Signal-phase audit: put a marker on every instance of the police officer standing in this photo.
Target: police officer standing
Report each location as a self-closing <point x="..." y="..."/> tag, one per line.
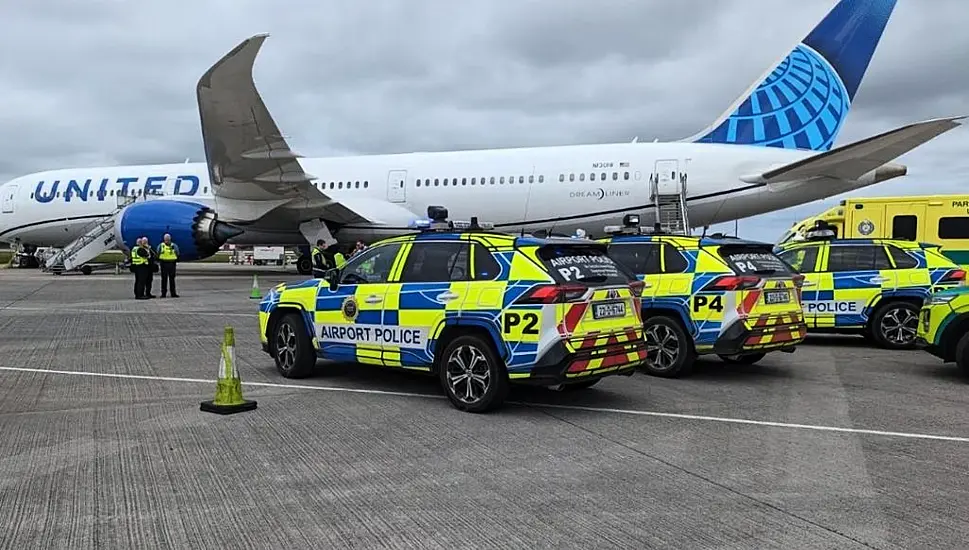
<point x="167" y="257"/>
<point x="320" y="263"/>
<point x="139" y="265"/>
<point x="150" y="268"/>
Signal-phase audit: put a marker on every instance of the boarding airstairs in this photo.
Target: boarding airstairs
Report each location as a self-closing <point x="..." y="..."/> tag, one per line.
<point x="669" y="197"/>
<point x="98" y="238"/>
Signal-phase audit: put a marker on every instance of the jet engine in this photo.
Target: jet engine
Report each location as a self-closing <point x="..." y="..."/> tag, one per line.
<point x="194" y="227"/>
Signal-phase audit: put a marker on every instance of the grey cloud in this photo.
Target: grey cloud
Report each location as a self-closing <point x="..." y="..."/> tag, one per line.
<point x="113" y="81"/>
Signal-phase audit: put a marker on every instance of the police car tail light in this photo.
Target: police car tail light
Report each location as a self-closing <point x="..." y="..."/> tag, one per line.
<point x="554" y="294"/>
<point x="956" y="275"/>
<point x="636" y="287"/>
<point x="734" y="282"/>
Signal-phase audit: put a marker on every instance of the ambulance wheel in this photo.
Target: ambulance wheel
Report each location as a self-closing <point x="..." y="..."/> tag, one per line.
<point x="472" y="374"/>
<point x="748" y="359"/>
<point x="962" y="354"/>
<point x="292" y="348"/>
<point x="304" y="265"/>
<point x="894" y="325"/>
<point x="669" y="351"/>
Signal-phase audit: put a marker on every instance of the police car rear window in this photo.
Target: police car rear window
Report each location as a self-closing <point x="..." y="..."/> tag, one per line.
<point x="753" y="260"/>
<point x="588" y="265"/>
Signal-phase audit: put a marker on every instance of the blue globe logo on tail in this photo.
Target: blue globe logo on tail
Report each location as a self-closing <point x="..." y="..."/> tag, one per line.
<point x="804" y="101"/>
<point x="802" y="104"/>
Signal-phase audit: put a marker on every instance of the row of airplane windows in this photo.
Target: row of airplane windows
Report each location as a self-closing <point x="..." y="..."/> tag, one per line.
<point x="426" y="182"/>
<point x="500" y="180"/>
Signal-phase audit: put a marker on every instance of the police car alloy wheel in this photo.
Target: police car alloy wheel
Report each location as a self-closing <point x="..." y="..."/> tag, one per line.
<point x="962" y="354"/>
<point x="292" y="348"/>
<point x="472" y="375"/>
<point x="896" y="324"/>
<point x="668" y="350"/>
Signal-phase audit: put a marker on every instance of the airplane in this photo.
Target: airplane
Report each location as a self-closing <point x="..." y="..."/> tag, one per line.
<point x="771" y="149"/>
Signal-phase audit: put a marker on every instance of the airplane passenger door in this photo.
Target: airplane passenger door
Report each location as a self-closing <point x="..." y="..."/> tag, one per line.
<point x="396" y="186"/>
<point x="667" y="177"/>
<point x="9" y="196"/>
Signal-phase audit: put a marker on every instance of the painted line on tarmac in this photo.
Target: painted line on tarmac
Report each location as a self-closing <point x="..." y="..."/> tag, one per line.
<point x="628" y="412"/>
<point x="59" y="310"/>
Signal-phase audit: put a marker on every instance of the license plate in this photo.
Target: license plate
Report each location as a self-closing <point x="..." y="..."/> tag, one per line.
<point x="777" y="297"/>
<point x="605" y="311"/>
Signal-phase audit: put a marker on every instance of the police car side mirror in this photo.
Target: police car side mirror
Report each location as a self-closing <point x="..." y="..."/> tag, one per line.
<point x="333" y="278"/>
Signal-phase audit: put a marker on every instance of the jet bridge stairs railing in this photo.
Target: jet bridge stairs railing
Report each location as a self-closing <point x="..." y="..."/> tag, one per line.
<point x="98" y="238"/>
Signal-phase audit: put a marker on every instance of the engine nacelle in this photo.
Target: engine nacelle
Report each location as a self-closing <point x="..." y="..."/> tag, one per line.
<point x="194" y="227"/>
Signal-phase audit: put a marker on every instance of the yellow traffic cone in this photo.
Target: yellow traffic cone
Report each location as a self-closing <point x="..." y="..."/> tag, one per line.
<point x="228" y="388"/>
<point x="255" y="294"/>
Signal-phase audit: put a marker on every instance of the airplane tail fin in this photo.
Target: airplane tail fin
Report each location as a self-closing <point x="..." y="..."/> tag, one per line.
<point x="803" y="101"/>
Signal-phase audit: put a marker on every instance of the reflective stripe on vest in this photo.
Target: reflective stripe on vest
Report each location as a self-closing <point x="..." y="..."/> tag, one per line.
<point x="136" y="259"/>
<point x="167" y="253"/>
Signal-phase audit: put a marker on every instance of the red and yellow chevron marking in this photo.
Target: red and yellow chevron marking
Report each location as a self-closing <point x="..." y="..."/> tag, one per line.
<point x="606" y="352"/>
<point x="786" y="333"/>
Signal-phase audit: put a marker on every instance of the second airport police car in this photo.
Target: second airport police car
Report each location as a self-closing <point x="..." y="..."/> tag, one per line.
<point x="480" y="309"/>
<point x="709" y="295"/>
<point x="871" y="286"/>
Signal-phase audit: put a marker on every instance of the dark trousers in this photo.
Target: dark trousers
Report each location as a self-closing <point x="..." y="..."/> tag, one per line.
<point x="168" y="277"/>
<point x="140" y="277"/>
<point x="149" y="278"/>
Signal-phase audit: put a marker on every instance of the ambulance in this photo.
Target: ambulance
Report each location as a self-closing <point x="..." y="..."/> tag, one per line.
<point x="941" y="220"/>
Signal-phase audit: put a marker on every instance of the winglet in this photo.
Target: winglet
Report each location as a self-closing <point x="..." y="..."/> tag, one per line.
<point x="243" y="145"/>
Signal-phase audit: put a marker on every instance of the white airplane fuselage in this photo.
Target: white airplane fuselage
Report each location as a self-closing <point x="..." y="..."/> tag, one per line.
<point x="558" y="189"/>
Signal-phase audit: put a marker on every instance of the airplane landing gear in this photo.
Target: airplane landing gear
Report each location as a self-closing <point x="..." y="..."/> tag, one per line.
<point x="304" y="265"/>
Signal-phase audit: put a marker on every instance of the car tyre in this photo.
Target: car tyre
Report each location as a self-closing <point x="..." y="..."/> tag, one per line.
<point x="746" y="359"/>
<point x="292" y="348"/>
<point x="894" y="325"/>
<point x="669" y="349"/>
<point x="304" y="265"/>
<point x="472" y="375"/>
<point x="962" y="354"/>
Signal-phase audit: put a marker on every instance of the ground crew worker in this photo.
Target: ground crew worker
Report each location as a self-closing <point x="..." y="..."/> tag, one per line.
<point x="319" y="259"/>
<point x="139" y="264"/>
<point x="151" y="268"/>
<point x="167" y="258"/>
<point x="338" y="259"/>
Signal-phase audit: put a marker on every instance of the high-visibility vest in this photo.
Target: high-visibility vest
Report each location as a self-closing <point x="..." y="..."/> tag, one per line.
<point x="167" y="253"/>
<point x="136" y="259"/>
<point x="339" y="260"/>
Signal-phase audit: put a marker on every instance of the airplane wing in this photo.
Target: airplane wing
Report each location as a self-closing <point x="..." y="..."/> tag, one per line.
<point x="248" y="158"/>
<point x="850" y="162"/>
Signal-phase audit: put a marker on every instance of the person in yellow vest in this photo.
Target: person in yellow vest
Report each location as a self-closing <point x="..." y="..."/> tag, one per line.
<point x="338" y="259"/>
<point x="167" y="258"/>
<point x="320" y="265"/>
<point x="139" y="265"/>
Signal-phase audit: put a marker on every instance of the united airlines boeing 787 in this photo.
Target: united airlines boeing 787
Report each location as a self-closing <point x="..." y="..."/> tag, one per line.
<point x="773" y="148"/>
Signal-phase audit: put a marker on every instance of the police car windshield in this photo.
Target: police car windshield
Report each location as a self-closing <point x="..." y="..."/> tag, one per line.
<point x="754" y="260"/>
<point x="584" y="264"/>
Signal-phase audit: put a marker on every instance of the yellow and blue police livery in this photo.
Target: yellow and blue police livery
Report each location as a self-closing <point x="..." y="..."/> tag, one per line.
<point x="944" y="326"/>
<point x="709" y="295"/>
<point x="478" y="308"/>
<point x="870" y="286"/>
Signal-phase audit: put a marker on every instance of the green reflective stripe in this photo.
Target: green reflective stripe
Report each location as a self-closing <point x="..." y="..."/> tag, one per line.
<point x="960" y="257"/>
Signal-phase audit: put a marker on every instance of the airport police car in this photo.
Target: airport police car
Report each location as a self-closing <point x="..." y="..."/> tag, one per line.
<point x="478" y="308"/>
<point x="707" y="295"/>
<point x="872" y="286"/>
<point x="944" y="326"/>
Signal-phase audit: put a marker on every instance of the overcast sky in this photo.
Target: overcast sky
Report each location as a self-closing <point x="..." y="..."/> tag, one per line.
<point x="104" y="82"/>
